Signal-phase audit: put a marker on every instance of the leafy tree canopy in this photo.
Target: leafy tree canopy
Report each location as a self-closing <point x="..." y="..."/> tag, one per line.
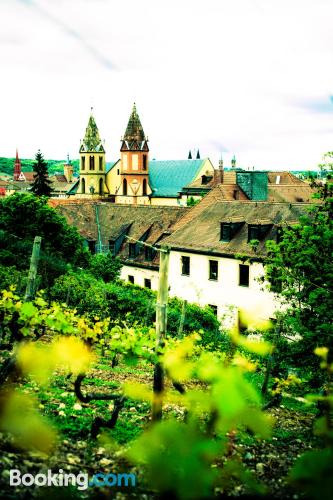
<point x="24" y="216"/>
<point x="300" y="267"/>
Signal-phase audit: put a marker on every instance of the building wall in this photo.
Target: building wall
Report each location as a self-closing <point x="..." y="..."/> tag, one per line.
<point x="140" y="275"/>
<point x="166" y="202"/>
<point x="251" y="306"/>
<point x="255" y="305"/>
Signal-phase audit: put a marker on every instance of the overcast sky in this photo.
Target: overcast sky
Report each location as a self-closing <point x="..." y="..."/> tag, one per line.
<point x="252" y="78"/>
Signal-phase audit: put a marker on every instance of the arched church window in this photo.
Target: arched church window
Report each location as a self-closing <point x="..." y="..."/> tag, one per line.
<point x="125" y="187"/>
<point x="91" y="162"/>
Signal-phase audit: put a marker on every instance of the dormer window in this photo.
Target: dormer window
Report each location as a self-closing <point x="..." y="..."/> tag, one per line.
<point x="253" y="232"/>
<point x="132" y="250"/>
<point x="226" y="234"/>
<point x="258" y="231"/>
<point x="229" y="229"/>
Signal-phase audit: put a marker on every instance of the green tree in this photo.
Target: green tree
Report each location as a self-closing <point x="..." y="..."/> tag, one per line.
<point x="42" y="184"/>
<point x="301" y="268"/>
<point x="24" y="216"/>
<point x="105" y="266"/>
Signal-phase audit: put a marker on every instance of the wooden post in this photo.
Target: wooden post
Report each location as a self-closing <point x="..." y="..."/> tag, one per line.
<point x="161" y="326"/>
<point x="31" y="284"/>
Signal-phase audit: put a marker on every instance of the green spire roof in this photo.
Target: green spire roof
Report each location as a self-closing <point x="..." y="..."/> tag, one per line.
<point x="92" y="142"/>
<point x="134" y="130"/>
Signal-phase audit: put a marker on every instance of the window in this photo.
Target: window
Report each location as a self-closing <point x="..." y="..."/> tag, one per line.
<point x="132" y="250"/>
<point x="226" y="234"/>
<point x="101" y="162"/>
<point x="101" y="187"/>
<point x="125" y="187"/>
<point x="83" y="186"/>
<point x="253" y="232"/>
<point x="118" y="171"/>
<point x="149" y="253"/>
<point x="147" y="283"/>
<point x="131" y="279"/>
<point x="213" y="270"/>
<point x="144" y="164"/>
<point x="243" y="275"/>
<point x="91" y="162"/>
<point x="213" y="308"/>
<point x="185" y="266"/>
<point x="144" y="188"/>
<point x="112" y="248"/>
<point x="92" y="246"/>
<point x="83" y="163"/>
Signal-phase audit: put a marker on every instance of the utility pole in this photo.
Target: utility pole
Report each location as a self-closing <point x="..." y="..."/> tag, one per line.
<point x="31" y="284"/>
<point x="161" y="326"/>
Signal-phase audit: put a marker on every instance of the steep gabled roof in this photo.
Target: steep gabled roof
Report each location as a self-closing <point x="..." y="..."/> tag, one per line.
<point x="168" y="177"/>
<point x="199" y="231"/>
<point x="92" y="142"/>
<point x="153" y="222"/>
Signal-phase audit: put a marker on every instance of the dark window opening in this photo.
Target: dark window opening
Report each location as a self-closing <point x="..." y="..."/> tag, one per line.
<point x="118" y="171"/>
<point x="83" y="163"/>
<point x="213" y="308"/>
<point x="92" y="246"/>
<point x="147" y="283"/>
<point x="112" y="247"/>
<point x="149" y="253"/>
<point x="226" y="233"/>
<point x="83" y="186"/>
<point x="185" y="266"/>
<point x="253" y="232"/>
<point x="244" y="275"/>
<point x="101" y="187"/>
<point x="125" y="187"/>
<point x="132" y="250"/>
<point x="213" y="270"/>
<point x="144" y="164"/>
<point x="144" y="187"/>
<point x="101" y="162"/>
<point x="91" y="162"/>
<point x="131" y="279"/>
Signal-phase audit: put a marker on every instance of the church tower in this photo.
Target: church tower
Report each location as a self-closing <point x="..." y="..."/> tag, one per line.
<point x="134" y="168"/>
<point x="92" y="163"/>
<point x="17" y="168"/>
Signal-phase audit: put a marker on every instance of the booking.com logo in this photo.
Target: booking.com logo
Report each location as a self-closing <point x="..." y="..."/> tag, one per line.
<point x="61" y="478"/>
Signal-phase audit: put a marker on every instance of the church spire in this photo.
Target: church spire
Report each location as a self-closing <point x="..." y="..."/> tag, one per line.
<point x="17" y="167"/>
<point x="134" y="138"/>
<point x="92" y="142"/>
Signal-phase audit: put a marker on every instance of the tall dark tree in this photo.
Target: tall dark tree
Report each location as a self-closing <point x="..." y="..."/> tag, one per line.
<point x="42" y="184"/>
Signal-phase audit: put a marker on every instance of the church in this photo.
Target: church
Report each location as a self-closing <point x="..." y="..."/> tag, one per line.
<point x="134" y="179"/>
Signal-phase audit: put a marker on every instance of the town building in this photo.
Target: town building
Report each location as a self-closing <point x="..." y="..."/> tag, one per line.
<point x="134" y="179"/>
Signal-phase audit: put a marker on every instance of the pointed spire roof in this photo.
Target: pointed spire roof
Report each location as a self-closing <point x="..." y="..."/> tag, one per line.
<point x="198" y="155"/>
<point x="134" y="130"/>
<point x="134" y="138"/>
<point x="189" y="155"/>
<point x="92" y="142"/>
<point x="17" y="167"/>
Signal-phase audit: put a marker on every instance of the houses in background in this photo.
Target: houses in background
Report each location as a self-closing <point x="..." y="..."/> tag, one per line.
<point x="217" y="248"/>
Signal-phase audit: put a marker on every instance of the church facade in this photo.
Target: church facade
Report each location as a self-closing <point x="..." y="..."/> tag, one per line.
<point x="133" y="179"/>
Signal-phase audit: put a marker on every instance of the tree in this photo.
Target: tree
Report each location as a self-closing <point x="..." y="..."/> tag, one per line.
<point x="24" y="216"/>
<point x="300" y="267"/>
<point x="42" y="184"/>
<point x="105" y="266"/>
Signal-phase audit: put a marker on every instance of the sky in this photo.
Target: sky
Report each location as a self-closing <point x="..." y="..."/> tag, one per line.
<point x="252" y="78"/>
